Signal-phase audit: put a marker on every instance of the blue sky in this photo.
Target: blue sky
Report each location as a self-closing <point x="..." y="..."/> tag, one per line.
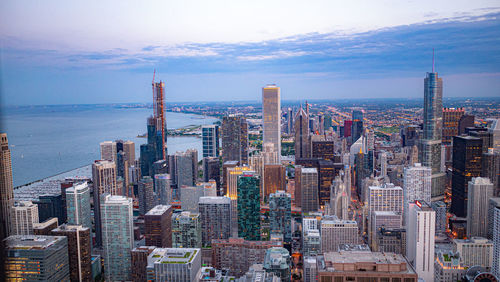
<point x="90" y="52"/>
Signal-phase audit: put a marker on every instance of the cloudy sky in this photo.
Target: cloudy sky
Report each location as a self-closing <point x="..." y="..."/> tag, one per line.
<point x="61" y="52"/>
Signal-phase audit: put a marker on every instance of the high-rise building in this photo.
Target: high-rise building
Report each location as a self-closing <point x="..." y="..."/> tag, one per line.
<point x="234" y="139"/>
<point x="271" y="117"/>
<point x="210" y="140"/>
<point x="280" y="214"/>
<point x="173" y="264"/>
<point x="339" y="197"/>
<point x="184" y="169"/>
<point x="139" y="257"/>
<point x="79" y="250"/>
<point x="379" y="220"/>
<point x="231" y="183"/>
<point x="310" y="269"/>
<point x="391" y="240"/>
<point x="160" y="125"/>
<point x="306" y="180"/>
<point x="441" y="220"/>
<point x="186" y="230"/>
<point x="386" y="197"/>
<point x="335" y="232"/>
<point x="50" y="206"/>
<point x="36" y="258"/>
<point x="451" y="119"/>
<point x="474" y="251"/>
<point x="490" y="168"/>
<point x="430" y="144"/>
<point x="417" y="184"/>
<point x="480" y="190"/>
<point x="211" y="170"/>
<point x="311" y="242"/>
<point x="117" y="236"/>
<point x="496" y="241"/>
<point x="158" y="226"/>
<point x="23" y="215"/>
<point x="327" y="170"/>
<point x="248" y="206"/>
<point x="493" y="204"/>
<point x="45" y="228"/>
<point x="147" y="195"/>
<point x="129" y="150"/>
<point x="323" y="147"/>
<point x="274" y="179"/>
<point x="108" y="151"/>
<point x="104" y="181"/>
<point x="78" y="205"/>
<point x="215" y="215"/>
<point x="269" y="154"/>
<point x="278" y="261"/>
<point x="467" y="153"/>
<point x="420" y="232"/>
<point x="357" y="124"/>
<point x="162" y="189"/>
<point x="448" y="266"/>
<point x="6" y="186"/>
<point x="302" y="138"/>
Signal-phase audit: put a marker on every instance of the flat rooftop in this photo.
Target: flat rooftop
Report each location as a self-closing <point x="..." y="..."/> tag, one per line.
<point x="215" y="200"/>
<point x="172" y="255"/>
<point x="366" y="261"/>
<point x="159" y="210"/>
<point x="31" y="242"/>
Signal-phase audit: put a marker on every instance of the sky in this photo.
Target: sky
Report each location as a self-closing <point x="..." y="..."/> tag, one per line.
<point x="66" y="52"/>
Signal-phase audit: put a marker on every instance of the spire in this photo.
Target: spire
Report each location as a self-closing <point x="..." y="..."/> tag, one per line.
<point x="432" y="59"/>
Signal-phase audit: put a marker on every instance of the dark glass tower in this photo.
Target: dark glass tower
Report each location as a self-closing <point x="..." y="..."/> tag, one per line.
<point x="249" y="206"/>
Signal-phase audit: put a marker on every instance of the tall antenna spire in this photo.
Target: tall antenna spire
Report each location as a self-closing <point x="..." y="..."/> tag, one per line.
<point x="432" y="59"/>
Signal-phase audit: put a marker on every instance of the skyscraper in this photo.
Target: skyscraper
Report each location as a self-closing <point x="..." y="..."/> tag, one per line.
<point x="6" y="186"/>
<point x="249" y="206"/>
<point x="306" y="180"/>
<point x="104" y="181"/>
<point x="417" y="184"/>
<point x="117" y="236"/>
<point x="186" y="230"/>
<point x="274" y="179"/>
<point x="280" y="214"/>
<point x="430" y="145"/>
<point x="357" y="124"/>
<point x="234" y="139"/>
<point x="335" y="232"/>
<point x="215" y="214"/>
<point x="480" y="190"/>
<point x="278" y="261"/>
<point x="162" y="188"/>
<point x="451" y="119"/>
<point x="231" y="182"/>
<point x="210" y="140"/>
<point x="271" y="117"/>
<point x="147" y="196"/>
<point x="490" y="168"/>
<point x="78" y="205"/>
<point x="159" y="119"/>
<point x="129" y="150"/>
<point x="211" y="170"/>
<point x="496" y="241"/>
<point x="302" y="138"/>
<point x="23" y="215"/>
<point x="108" y="151"/>
<point x="173" y="264"/>
<point x="158" y="226"/>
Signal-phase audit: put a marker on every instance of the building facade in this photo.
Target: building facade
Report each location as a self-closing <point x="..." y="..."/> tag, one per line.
<point x="271" y="117"/>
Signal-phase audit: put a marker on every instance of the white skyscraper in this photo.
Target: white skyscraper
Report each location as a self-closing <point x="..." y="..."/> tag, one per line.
<point x="271" y="117"/>
<point x="479" y="192"/>
<point x="417" y="184"/>
<point x="420" y="231"/>
<point x="108" y="151"/>
<point x="23" y="215"/>
<point x="78" y="205"/>
<point x="383" y="164"/>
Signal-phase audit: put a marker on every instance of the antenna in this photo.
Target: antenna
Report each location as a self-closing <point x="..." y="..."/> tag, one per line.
<point x="432" y="59"/>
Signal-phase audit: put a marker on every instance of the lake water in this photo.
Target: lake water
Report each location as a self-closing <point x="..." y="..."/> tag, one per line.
<point x="47" y="140"/>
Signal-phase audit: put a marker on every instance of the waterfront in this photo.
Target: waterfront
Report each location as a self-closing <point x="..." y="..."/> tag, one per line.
<point x="48" y="140"/>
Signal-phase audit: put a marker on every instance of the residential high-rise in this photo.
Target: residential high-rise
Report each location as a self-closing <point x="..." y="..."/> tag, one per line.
<point x="420" y="232"/>
<point x="335" y="232"/>
<point x="274" y="179"/>
<point x="448" y="266"/>
<point x="480" y="190"/>
<point x="306" y="180"/>
<point x="271" y="117"/>
<point x="45" y="228"/>
<point x="36" y="258"/>
<point x="278" y="261"/>
<point x="231" y="182"/>
<point x="441" y="220"/>
<point x="430" y="144"/>
<point x="182" y="170"/>
<point x="104" y="181"/>
<point x="129" y="150"/>
<point x="108" y="151"/>
<point x="493" y="204"/>
<point x="186" y="230"/>
<point x="50" y="206"/>
<point x="210" y="140"/>
<point x="6" y="186"/>
<point x="173" y="264"/>
<point x="160" y="125"/>
<point x="417" y="184"/>
<point x="385" y="198"/>
<point x="467" y="153"/>
<point x="211" y="170"/>
<point x="215" y="216"/>
<point x="158" y="226"/>
<point x="248" y="206"/>
<point x="163" y="190"/>
<point x="302" y="138"/>
<point x="474" y="251"/>
<point x="234" y="139"/>
<point x="379" y="220"/>
<point x="451" y="119"/>
<point x="78" y="205"/>
<point x="280" y="214"/>
<point x="391" y="240"/>
<point x="117" y="236"/>
<point x="147" y="196"/>
<point x="490" y="168"/>
<point x="23" y="215"/>
<point x="139" y="258"/>
<point x="79" y="250"/>
<point x="496" y="241"/>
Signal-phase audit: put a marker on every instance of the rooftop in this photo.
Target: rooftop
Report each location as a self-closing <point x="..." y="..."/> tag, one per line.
<point x="159" y="210"/>
<point x="172" y="256"/>
<point x="214" y="200"/>
<point x="32" y="242"/>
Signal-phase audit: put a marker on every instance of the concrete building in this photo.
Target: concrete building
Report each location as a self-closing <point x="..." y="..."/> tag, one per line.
<point x="23" y="215"/>
<point x="104" y="181"/>
<point x="139" y="262"/>
<point x="420" y="234"/>
<point x="45" y="228"/>
<point x="147" y="195"/>
<point x="382" y="219"/>
<point x="302" y="135"/>
<point x="215" y="214"/>
<point x="280" y="214"/>
<point x="78" y="205"/>
<point x="234" y="139"/>
<point x="480" y="190"/>
<point x="495" y="268"/>
<point x="441" y="219"/>
<point x="335" y="232"/>
<point x="493" y="204"/>
<point x="186" y="230"/>
<point x="311" y="242"/>
<point x="490" y="168"/>
<point x="210" y="139"/>
<point x="162" y="188"/>
<point x="306" y="182"/>
<point x="108" y="151"/>
<point x="117" y="236"/>
<point x="278" y="261"/>
<point x="274" y="179"/>
<point x="417" y="184"/>
<point x="6" y="186"/>
<point x="391" y="240"/>
<point x="474" y="251"/>
<point x="211" y="170"/>
<point x="256" y="272"/>
<point x="448" y="267"/>
<point x="36" y="258"/>
<point x="190" y="196"/>
<point x="310" y="269"/>
<point x="271" y="117"/>
<point x="158" y="226"/>
<point x="173" y="264"/>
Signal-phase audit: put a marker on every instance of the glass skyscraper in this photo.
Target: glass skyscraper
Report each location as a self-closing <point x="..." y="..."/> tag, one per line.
<point x="78" y="205"/>
<point x="249" y="206"/>
<point x="271" y="117"/>
<point x="210" y="140"/>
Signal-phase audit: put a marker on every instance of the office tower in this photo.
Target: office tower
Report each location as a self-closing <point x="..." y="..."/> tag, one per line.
<point x="190" y="196"/>
<point x="430" y="144"/>
<point x="45" y="228"/>
<point x="215" y="216"/>
<point x="323" y="147"/>
<point x="441" y="221"/>
<point x="417" y="184"/>
<point x="158" y="226"/>
<point x="78" y="205"/>
<point x="234" y="139"/>
<point x="108" y="151"/>
<point x="379" y="220"/>
<point x="194" y="164"/>
<point x="383" y="164"/>
<point x="173" y="264"/>
<point x="237" y="254"/>
<point x="6" y="186"/>
<point x="186" y="230"/>
<point x="490" y="168"/>
<point x="129" y="150"/>
<point x="289" y="121"/>
<point x="306" y="179"/>
<point x="162" y="188"/>
<point x="248" y="206"/>
<point x="496" y="241"/>
<point x="464" y="122"/>
<point x="448" y="266"/>
<point x="159" y="134"/>
<point x="231" y="182"/>
<point x="357" y="124"/>
<point x="271" y="117"/>
<point x="410" y="135"/>
<point x="386" y="197"/>
<point x="278" y="261"/>
<point x="391" y="240"/>
<point x="493" y="204"/>
<point x="104" y="181"/>
<point x="494" y="131"/>
<point x="311" y="242"/>
<point x="480" y="191"/>
<point x="451" y="119"/>
<point x="36" y="258"/>
<point x="211" y="170"/>
<point x="269" y="154"/>
<point x="302" y="139"/>
<point x="147" y="196"/>
<point x="474" y="251"/>
<point x="339" y="198"/>
<point x="335" y="232"/>
<point x="274" y="179"/>
<point x="280" y="214"/>
<point x="160" y="167"/>
<point x="117" y="236"/>
<point x="364" y="265"/>
<point x="310" y="269"/>
<point x="420" y="232"/>
<point x="139" y="262"/>
<point x="23" y="215"/>
<point x="79" y="250"/>
<point x="50" y="206"/>
<point x="467" y="152"/>
<point x="147" y="158"/>
<point x="210" y="140"/>
<point x="122" y="171"/>
<point x="186" y="168"/>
